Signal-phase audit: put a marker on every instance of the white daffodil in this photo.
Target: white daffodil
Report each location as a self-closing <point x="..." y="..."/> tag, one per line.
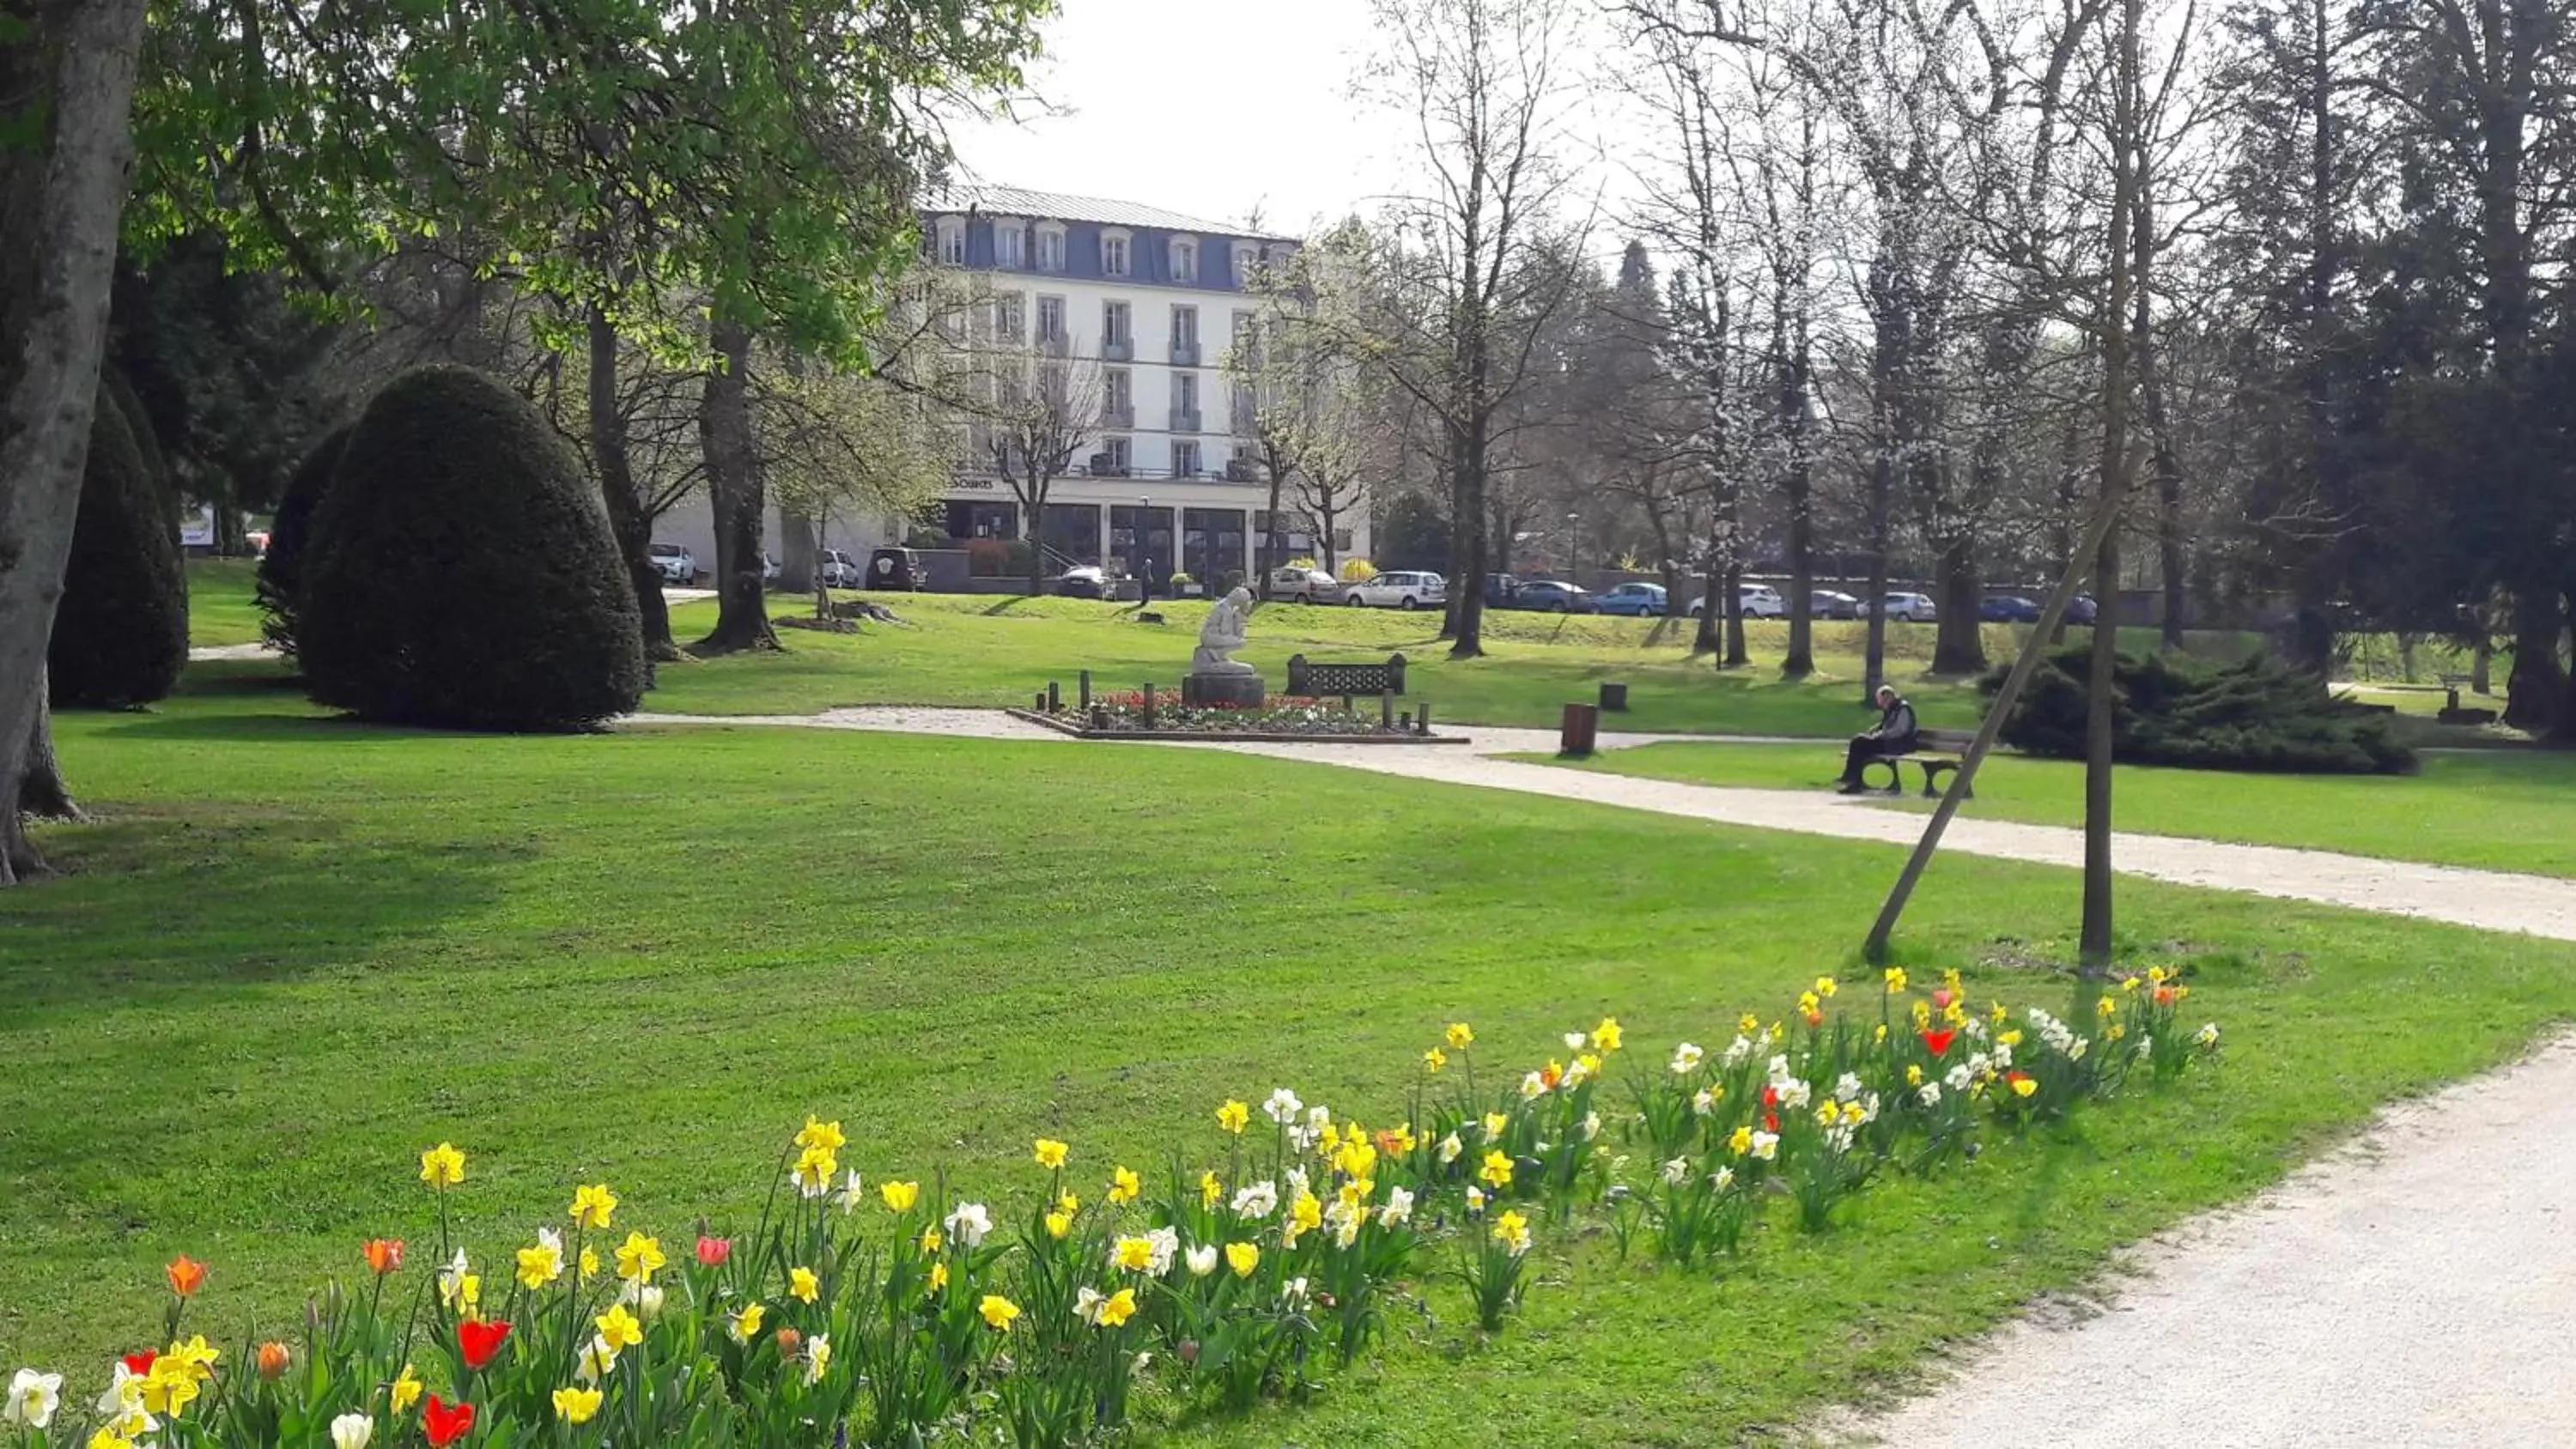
<point x="850" y="1197"/>
<point x="1283" y="1106"/>
<point x="644" y="1298"/>
<point x="33" y="1397"/>
<point x="969" y="1224"/>
<point x="1766" y="1145"/>
<point x="818" y="1358"/>
<point x="1686" y="1059"/>
<point x="1167" y="1246"/>
<point x="1677" y="1171"/>
<point x="1257" y="1201"/>
<point x="1450" y="1147"/>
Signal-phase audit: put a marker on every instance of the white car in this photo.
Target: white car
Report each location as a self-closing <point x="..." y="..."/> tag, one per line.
<point x="1400" y="590"/>
<point x="1306" y="586"/>
<point x="674" y="563"/>
<point x="1911" y="608"/>
<point x="839" y="570"/>
<point x="1755" y="601"/>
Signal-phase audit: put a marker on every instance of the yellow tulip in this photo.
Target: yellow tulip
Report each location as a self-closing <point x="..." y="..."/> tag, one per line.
<point x="576" y="1405"/>
<point x="899" y="1196"/>
<point x="1242" y="1258"/>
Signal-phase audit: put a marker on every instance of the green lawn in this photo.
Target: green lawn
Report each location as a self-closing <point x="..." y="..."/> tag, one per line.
<point x="2490" y="809"/>
<point x="220" y="607"/>
<point x="295" y="951"/>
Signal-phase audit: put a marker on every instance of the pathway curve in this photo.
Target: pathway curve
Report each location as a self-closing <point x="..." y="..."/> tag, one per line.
<point x="2489" y="900"/>
<point x="2415" y="1289"/>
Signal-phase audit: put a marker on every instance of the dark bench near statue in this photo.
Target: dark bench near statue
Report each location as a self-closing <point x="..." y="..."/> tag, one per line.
<point x="1321" y="679"/>
<point x="1936" y="753"/>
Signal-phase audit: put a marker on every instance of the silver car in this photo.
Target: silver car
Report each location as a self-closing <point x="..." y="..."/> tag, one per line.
<point x="1399" y="590"/>
<point x="1304" y="586"/>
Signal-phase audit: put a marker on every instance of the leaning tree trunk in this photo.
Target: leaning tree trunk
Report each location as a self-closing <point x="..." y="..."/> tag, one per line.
<point x="734" y="490"/>
<point x="61" y="189"/>
<point x="626" y="516"/>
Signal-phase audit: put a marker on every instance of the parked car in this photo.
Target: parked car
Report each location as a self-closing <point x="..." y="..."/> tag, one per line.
<point x="1754" y="601"/>
<point x="1832" y="604"/>
<point x="2008" y="609"/>
<point x="1502" y="591"/>
<point x="2082" y="610"/>
<point x="1638" y="600"/>
<point x="839" y="570"/>
<point x="1305" y="586"/>
<point x="1556" y="596"/>
<point x="674" y="563"/>
<point x="1909" y="608"/>
<point x="895" y="568"/>
<point x="1083" y="581"/>
<point x="1402" y="589"/>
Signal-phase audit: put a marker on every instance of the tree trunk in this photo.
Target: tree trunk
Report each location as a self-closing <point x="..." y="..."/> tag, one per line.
<point x="2532" y="691"/>
<point x="2482" y="665"/>
<point x="2129" y="241"/>
<point x="626" y="516"/>
<point x="734" y="490"/>
<point x="1265" y="557"/>
<point x="1736" y="655"/>
<point x="1467" y="538"/>
<point x="1959" y="641"/>
<point x="61" y="189"/>
<point x="1801" y="660"/>
<point x="44" y="794"/>
<point x="1706" y="638"/>
<point x="800" y="552"/>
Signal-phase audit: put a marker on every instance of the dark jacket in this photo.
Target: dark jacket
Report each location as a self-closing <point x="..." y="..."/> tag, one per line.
<point x="1896" y="728"/>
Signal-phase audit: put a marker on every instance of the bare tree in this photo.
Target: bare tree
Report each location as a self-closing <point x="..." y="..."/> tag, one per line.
<point x="1046" y="411"/>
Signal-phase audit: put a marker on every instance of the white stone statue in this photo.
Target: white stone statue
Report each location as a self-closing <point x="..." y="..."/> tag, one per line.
<point x="1222" y="634"/>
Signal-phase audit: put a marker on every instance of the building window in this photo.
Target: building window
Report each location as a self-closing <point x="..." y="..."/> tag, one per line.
<point x="1185" y="259"/>
<point x="952" y="241"/>
<point x="1115" y="450"/>
<point x="1247" y="261"/>
<point x="1051" y="319"/>
<point x="1185" y="460"/>
<point x="1185" y="327"/>
<point x="1113" y="254"/>
<point x="1010" y="245"/>
<point x="1009" y="316"/>
<point x="1115" y="328"/>
<point x="1118" y="392"/>
<point x="1185" y="392"/>
<point x="1050" y="247"/>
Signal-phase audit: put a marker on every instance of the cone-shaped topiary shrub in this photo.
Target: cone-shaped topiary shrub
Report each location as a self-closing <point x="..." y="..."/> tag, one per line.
<point x="121" y="632"/>
<point x="460" y="571"/>
<point x="290" y="532"/>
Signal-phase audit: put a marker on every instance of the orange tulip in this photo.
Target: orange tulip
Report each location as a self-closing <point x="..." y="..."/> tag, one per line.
<point x="186" y="1274"/>
<point x="384" y="1255"/>
<point x="272" y="1360"/>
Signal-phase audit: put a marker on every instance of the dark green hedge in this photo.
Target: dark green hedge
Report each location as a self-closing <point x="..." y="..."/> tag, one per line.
<point x="121" y="632"/>
<point x="290" y="533"/>
<point x="461" y="572"/>
<point x="2175" y="709"/>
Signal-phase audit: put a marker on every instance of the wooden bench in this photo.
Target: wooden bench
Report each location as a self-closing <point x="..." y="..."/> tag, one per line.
<point x="1315" y="679"/>
<point x="1936" y="753"/>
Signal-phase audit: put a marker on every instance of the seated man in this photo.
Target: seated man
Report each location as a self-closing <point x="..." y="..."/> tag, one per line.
<point x="1894" y="735"/>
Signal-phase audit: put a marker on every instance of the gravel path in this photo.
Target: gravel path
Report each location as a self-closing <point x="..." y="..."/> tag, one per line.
<point x="2416" y="1289"/>
<point x="2489" y="900"/>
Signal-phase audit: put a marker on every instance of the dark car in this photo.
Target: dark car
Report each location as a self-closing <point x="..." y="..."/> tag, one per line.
<point x="1555" y="596"/>
<point x="895" y="568"/>
<point x="1502" y="591"/>
<point x="1831" y="604"/>
<point x="2008" y="609"/>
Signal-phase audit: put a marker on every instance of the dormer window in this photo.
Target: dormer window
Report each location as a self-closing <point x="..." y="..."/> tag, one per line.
<point x="1010" y="243"/>
<point x="1113" y="253"/>
<point x="952" y="240"/>
<point x="1247" y="261"/>
<point x="1050" y="239"/>
<point x="1185" y="259"/>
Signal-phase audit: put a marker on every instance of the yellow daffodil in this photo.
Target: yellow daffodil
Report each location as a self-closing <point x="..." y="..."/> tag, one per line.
<point x="802" y="1285"/>
<point x="1922" y="1015"/>
<point x="1307" y="1212"/>
<point x="1827" y="1114"/>
<point x="1232" y="1116"/>
<point x="1854" y="1114"/>
<point x="744" y="1322"/>
<point x="589" y="1263"/>
<point x="442" y="1166"/>
<point x="1496" y="1170"/>
<point x="1913" y="1074"/>
<point x="825" y="1136"/>
<point x="1878" y="1034"/>
<point x="1058" y="1224"/>
<point x="577" y="1405"/>
<point x="406" y="1389"/>
<point x="1068" y="1205"/>
<point x="2009" y="1038"/>
<point x="1356" y="1157"/>
<point x="1051" y="1153"/>
<point x="2024" y="1086"/>
<point x="2106" y="1007"/>
<point x="1459" y="1037"/>
<point x="1999" y="1015"/>
<point x="1242" y="1258"/>
<point x="899" y="1196"/>
<point x="619" y="1328"/>
<point x="541" y="1264"/>
<point x="108" y="1438"/>
<point x="592" y="1205"/>
<point x="1748" y="1024"/>
<point x="1134" y="1254"/>
<point x="1512" y="1231"/>
<point x="1116" y="1309"/>
<point x="938" y="1276"/>
<point x="1328" y="1140"/>
<point x="1124" y="1185"/>
<point x="1807" y="1003"/>
<point x="1826" y="986"/>
<point x="1495" y="1122"/>
<point x="998" y="1311"/>
<point x="1210" y="1189"/>
<point x="1435" y="1059"/>
<point x="1741" y="1142"/>
<point x="1954" y="1015"/>
<point x="1606" y="1036"/>
<point x="1895" y="978"/>
<point x="1778" y="1031"/>
<point x="196" y="1355"/>
<point x="815" y="1168"/>
<point x="930" y="1240"/>
<point x="639" y="1258"/>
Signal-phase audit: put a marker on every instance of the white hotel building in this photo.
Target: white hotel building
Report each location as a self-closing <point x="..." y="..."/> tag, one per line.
<point x="1158" y="299"/>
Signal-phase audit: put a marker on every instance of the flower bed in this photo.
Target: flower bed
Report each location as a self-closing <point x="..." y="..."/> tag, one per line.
<point x="898" y="1313"/>
<point x="1280" y="716"/>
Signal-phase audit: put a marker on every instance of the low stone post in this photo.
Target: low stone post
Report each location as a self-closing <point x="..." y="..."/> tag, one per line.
<point x="1054" y="699"/>
<point x="1086" y="691"/>
<point x="1149" y="706"/>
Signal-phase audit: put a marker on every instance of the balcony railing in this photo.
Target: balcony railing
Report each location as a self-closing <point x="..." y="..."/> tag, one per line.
<point x="1055" y="344"/>
<point x="1185" y="354"/>
<point x="1185" y="420"/>
<point x="1118" y="415"/>
<point x="1121" y="349"/>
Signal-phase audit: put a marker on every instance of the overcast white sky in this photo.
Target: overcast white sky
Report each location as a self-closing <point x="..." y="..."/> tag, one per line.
<point x="1212" y="108"/>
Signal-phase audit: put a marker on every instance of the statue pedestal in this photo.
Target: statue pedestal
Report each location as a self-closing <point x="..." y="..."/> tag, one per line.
<point x="1242" y="691"/>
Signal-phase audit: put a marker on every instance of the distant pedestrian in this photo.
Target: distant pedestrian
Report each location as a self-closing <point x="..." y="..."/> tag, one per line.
<point x="1145" y="582"/>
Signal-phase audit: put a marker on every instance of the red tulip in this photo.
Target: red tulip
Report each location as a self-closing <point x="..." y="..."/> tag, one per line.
<point x="1770" y="1121"/>
<point x="1770" y="1096"/>
<point x="714" y="1251"/>
<point x="186" y="1274"/>
<point x="140" y="1363"/>
<point x="1941" y="998"/>
<point x="478" y="1340"/>
<point x="445" y="1423"/>
<point x="1938" y="1041"/>
<point x="384" y="1255"/>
